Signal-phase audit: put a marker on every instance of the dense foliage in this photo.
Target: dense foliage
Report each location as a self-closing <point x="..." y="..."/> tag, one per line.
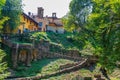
<point x="104" y="22"/>
<point x="98" y="24"/>
<point x="3" y="66"/>
<point x="2" y="18"/>
<point x="60" y="41"/>
<point x="80" y="9"/>
<point x="12" y="9"/>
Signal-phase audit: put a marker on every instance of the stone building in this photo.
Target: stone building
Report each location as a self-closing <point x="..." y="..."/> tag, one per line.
<point x="47" y="23"/>
<point x="30" y="22"/>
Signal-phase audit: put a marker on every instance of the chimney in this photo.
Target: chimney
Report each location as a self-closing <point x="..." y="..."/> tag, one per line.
<point x="47" y="22"/>
<point x="29" y="13"/>
<point x="46" y="16"/>
<point x="33" y="16"/>
<point x="53" y="15"/>
<point x="40" y="12"/>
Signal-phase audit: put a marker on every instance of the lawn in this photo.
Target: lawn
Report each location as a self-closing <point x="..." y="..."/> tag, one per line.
<point x="41" y="67"/>
<point x="85" y="73"/>
<point x="57" y="39"/>
<point x="59" y="43"/>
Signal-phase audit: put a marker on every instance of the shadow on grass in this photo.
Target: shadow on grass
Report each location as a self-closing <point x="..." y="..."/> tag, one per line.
<point x="35" y="69"/>
<point x="91" y="68"/>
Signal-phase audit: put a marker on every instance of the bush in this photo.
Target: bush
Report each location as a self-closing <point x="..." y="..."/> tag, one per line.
<point x="3" y="66"/>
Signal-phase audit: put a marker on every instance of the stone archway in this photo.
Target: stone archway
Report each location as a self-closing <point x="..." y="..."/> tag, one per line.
<point x="23" y="54"/>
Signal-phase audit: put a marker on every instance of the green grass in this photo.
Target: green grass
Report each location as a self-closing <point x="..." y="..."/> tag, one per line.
<point x="61" y="39"/>
<point x="59" y="42"/>
<point x="41" y="67"/>
<point x="85" y="73"/>
<point x="58" y="39"/>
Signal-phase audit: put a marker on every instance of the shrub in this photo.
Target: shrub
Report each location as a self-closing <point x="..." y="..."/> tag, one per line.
<point x="3" y="66"/>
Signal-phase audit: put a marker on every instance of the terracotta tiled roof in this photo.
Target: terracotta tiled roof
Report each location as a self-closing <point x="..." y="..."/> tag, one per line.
<point x="30" y="18"/>
<point x="51" y="20"/>
<point x="57" y="22"/>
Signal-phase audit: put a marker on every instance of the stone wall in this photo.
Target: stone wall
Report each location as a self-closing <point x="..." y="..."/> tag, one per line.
<point x="26" y="53"/>
<point x="73" y="53"/>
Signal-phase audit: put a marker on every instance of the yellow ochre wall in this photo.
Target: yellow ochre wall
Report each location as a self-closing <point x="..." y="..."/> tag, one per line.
<point x="27" y="23"/>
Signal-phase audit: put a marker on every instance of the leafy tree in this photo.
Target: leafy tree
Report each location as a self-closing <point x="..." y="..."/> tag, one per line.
<point x="12" y="9"/>
<point x="99" y="23"/>
<point x="68" y="23"/>
<point x="3" y="65"/>
<point x="104" y="22"/>
<point x="2" y="19"/>
<point x="79" y="10"/>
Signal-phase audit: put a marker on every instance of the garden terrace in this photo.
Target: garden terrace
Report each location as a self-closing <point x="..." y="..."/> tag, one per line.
<point x="39" y="46"/>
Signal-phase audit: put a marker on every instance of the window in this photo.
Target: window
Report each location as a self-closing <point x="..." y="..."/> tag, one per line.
<point x="30" y="22"/>
<point x="27" y="20"/>
<point x="40" y="24"/>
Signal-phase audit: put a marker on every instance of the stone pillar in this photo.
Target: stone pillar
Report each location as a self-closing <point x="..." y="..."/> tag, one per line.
<point x="28" y="58"/>
<point x="34" y="54"/>
<point x="14" y="57"/>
